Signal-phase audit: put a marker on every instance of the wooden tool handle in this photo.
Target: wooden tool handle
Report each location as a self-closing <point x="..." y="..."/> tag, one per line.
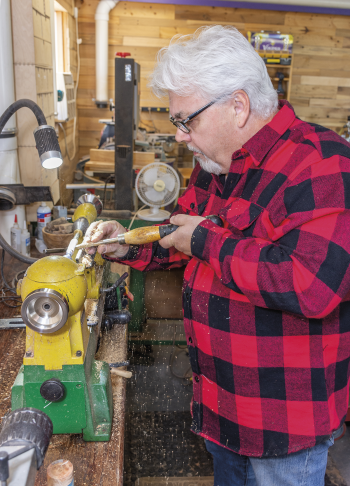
<point x="141" y="236"/>
<point x="124" y="374"/>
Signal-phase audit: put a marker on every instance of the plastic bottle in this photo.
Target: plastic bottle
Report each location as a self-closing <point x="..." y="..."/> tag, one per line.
<point x="25" y="240"/>
<point x="16" y="236"/>
<point x="43" y="217"/>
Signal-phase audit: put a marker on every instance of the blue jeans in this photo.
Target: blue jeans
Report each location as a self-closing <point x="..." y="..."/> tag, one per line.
<point x="303" y="468"/>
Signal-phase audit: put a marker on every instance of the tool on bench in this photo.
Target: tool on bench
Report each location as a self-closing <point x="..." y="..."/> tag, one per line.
<point x="113" y="368"/>
<point x="140" y="236"/>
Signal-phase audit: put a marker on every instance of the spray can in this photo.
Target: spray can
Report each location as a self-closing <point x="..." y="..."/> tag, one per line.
<point x="43" y="217"/>
<point x="60" y="473"/>
<point x="16" y="236"/>
<point x="25" y="240"/>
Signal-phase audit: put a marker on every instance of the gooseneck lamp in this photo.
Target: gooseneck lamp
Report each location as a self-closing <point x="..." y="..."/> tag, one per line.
<point x="45" y="135"/>
<point x="50" y="158"/>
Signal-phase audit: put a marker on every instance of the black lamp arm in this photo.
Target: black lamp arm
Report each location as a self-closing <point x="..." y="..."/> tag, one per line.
<point x="11" y="110"/>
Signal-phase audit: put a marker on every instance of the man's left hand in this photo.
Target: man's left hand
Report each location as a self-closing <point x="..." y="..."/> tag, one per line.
<point x="181" y="238"/>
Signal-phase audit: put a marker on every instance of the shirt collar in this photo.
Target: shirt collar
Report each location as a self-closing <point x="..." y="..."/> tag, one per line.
<point x="260" y="144"/>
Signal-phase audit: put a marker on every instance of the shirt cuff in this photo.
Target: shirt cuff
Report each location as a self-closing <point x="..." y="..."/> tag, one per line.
<point x="206" y="240"/>
<point x="132" y="254"/>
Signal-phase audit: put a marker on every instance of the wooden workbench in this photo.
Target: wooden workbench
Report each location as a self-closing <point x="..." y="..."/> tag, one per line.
<point x="95" y="463"/>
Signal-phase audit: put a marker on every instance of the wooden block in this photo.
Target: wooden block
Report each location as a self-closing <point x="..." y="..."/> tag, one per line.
<point x="104" y="156"/>
<point x="103" y="160"/>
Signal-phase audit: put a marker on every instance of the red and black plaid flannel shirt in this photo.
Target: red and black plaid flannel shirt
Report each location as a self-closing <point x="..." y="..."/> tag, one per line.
<point x="266" y="299"/>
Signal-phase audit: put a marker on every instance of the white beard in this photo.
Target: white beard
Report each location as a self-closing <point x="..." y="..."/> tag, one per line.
<point x="207" y="164"/>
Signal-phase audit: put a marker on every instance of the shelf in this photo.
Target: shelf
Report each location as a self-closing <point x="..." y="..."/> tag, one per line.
<point x="280" y="66"/>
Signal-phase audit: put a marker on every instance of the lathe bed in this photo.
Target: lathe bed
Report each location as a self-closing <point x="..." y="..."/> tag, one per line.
<point x="95" y="463"/>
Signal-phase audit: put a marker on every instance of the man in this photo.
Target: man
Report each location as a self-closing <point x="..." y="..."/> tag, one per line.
<point x="266" y="298"/>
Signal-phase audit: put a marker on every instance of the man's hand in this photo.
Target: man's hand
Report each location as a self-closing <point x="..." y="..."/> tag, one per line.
<point x="101" y="230"/>
<point x="181" y="238"/>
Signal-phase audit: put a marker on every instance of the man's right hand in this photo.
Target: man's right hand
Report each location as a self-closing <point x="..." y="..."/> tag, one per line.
<point x="101" y="230"/>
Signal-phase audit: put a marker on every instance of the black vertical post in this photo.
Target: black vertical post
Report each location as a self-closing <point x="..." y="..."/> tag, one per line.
<point x="124" y="132"/>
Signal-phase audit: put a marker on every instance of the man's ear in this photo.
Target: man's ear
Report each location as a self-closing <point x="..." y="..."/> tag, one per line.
<point x="241" y="106"/>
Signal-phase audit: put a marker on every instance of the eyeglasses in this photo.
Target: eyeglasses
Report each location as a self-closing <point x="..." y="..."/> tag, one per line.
<point x="181" y="124"/>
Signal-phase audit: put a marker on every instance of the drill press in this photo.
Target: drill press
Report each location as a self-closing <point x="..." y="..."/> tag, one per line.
<point x="59" y="374"/>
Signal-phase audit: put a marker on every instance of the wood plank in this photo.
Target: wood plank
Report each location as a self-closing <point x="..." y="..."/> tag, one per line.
<point x="324" y="81"/>
<point x="316" y="20"/>
<point x="103" y="160"/>
<point x="129" y="9"/>
<point x="320" y="51"/>
<point x="342" y="103"/>
<point x="218" y="14"/>
<point x="343" y="93"/>
<point x="299" y="102"/>
<point x="319" y="62"/>
<point x="322" y="113"/>
<point x="145" y="42"/>
<point x="318" y="40"/>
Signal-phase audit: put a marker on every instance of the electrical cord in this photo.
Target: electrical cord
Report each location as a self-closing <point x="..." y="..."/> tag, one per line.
<point x="137" y="212"/>
<point x="3" y="297"/>
<point x="104" y="190"/>
<point x="65" y="144"/>
<point x="187" y="380"/>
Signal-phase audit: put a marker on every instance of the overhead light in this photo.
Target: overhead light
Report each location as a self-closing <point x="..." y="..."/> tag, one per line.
<point x="48" y="147"/>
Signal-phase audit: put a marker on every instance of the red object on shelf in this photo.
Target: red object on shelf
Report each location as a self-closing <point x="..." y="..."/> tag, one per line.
<point x="123" y="54"/>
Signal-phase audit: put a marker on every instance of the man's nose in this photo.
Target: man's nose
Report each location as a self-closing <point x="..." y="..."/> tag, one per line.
<point x="182" y="136"/>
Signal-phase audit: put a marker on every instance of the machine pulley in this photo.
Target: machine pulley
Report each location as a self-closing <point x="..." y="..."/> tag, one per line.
<point x="45" y="310"/>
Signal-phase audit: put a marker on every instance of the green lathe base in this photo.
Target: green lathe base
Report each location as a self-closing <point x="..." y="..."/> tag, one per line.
<point x="86" y="407"/>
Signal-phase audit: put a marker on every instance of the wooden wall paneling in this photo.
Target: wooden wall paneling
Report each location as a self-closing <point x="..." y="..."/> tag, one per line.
<point x="143" y="28"/>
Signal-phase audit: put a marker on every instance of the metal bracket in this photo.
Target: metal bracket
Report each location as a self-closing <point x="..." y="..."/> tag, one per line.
<point x="14" y="323"/>
<point x="28" y="194"/>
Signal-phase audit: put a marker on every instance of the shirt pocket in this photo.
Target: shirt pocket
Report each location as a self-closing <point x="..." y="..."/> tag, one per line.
<point x="194" y="200"/>
<point x="240" y="214"/>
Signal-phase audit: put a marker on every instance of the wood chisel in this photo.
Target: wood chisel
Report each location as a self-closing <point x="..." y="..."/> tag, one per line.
<point x="138" y="236"/>
<point x="147" y="234"/>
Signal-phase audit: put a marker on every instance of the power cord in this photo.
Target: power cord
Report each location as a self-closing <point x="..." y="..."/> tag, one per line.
<point x="187" y="379"/>
<point x="6" y="287"/>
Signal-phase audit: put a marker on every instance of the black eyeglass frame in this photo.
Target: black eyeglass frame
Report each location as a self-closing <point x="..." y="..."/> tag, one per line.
<point x="181" y="124"/>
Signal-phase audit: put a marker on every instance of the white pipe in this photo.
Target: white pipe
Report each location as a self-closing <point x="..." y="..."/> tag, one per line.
<point x="101" y="36"/>
<point x="9" y="168"/>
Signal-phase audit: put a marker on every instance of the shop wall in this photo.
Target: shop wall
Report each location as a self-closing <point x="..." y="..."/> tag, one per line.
<point x="321" y="67"/>
<point x="66" y="172"/>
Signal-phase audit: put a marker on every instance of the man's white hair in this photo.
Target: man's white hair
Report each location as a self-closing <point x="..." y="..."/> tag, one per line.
<point x="212" y="63"/>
